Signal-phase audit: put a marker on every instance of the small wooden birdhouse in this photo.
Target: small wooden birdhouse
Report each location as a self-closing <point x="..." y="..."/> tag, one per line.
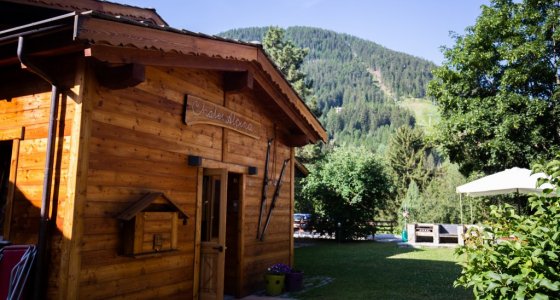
<point x="150" y="225"/>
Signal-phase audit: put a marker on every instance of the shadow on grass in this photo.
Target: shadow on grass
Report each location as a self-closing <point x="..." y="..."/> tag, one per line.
<point x="372" y="270"/>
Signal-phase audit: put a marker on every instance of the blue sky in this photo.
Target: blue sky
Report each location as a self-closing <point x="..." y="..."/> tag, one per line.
<point x="417" y="27"/>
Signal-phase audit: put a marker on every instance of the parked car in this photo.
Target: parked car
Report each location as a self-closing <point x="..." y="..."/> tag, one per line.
<point x="301" y="221"/>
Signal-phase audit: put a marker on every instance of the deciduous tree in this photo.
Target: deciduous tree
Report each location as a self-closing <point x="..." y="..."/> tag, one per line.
<point x="348" y="188"/>
<point x="498" y="87"/>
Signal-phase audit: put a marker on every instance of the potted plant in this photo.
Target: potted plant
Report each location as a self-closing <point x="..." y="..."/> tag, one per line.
<point x="294" y="280"/>
<point x="274" y="278"/>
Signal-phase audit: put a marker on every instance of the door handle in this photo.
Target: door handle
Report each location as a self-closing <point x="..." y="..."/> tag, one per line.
<point x="219" y="248"/>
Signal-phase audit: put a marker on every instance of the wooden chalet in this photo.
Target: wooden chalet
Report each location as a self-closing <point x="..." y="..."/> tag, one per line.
<point x="134" y="155"/>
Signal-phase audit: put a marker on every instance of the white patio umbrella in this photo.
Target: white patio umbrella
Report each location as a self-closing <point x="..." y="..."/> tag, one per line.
<point x="514" y="180"/>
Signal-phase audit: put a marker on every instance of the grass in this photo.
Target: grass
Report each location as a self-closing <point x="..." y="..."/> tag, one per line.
<point x="425" y="112"/>
<point x="369" y="270"/>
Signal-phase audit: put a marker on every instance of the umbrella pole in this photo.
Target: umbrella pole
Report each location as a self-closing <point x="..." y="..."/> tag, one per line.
<point x="470" y="204"/>
<point x="461" y="204"/>
<point x="518" y="202"/>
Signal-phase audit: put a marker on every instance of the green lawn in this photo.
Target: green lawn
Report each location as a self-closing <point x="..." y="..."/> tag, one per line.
<point x="370" y="270"/>
<point x="425" y="112"/>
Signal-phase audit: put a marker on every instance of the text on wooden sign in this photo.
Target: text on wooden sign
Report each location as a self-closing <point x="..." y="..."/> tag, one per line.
<point x="199" y="111"/>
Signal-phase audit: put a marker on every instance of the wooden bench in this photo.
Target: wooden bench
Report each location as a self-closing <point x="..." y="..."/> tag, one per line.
<point x="424" y="230"/>
<point x="448" y="232"/>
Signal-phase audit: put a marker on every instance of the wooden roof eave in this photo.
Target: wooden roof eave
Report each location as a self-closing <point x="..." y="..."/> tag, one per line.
<point x="285" y="88"/>
<point x="112" y="32"/>
<point x="106" y="7"/>
<point x="144" y="45"/>
<point x="144" y="202"/>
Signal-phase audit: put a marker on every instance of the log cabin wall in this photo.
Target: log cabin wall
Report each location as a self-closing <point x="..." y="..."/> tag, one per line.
<point x="259" y="255"/>
<point x="140" y="144"/>
<point x="27" y="109"/>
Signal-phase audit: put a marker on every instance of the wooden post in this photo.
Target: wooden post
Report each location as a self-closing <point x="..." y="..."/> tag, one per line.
<point x="197" y="234"/>
<point x="435" y="232"/>
<point x="72" y="229"/>
<point x="292" y="203"/>
<point x="461" y="234"/>
<point x="461" y="207"/>
<point x="411" y="229"/>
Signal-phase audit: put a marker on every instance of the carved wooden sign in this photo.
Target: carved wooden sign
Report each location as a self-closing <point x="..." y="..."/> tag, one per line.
<point x="199" y="111"/>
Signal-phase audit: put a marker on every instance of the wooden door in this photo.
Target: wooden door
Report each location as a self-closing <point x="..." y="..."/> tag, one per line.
<point x="213" y="233"/>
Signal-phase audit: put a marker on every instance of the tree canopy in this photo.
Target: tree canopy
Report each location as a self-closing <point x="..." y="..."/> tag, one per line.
<point x="497" y="89"/>
<point x="348" y="188"/>
<point x="289" y="59"/>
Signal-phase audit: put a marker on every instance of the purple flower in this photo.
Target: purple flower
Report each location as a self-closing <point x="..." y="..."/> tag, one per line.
<point x="279" y="269"/>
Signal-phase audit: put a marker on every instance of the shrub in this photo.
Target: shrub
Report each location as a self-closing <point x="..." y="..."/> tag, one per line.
<point x="513" y="256"/>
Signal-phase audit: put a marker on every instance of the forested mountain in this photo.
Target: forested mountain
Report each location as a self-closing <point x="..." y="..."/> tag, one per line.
<point x="357" y="82"/>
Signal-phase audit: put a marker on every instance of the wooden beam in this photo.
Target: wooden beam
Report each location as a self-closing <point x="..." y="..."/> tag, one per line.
<point x="297" y="140"/>
<point x="61" y="68"/>
<point x="285" y="89"/>
<point x="121" y="76"/>
<point x="126" y="55"/>
<point x="235" y="82"/>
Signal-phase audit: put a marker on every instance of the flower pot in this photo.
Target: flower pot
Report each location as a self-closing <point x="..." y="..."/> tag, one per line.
<point x="404" y="235"/>
<point x="274" y="284"/>
<point x="294" y="281"/>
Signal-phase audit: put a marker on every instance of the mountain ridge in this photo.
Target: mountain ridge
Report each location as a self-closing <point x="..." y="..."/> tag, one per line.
<point x="358" y="83"/>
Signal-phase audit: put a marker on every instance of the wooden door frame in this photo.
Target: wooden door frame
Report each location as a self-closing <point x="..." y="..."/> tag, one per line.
<point x="241" y="235"/>
<point x="198" y="226"/>
<point x="14" y="135"/>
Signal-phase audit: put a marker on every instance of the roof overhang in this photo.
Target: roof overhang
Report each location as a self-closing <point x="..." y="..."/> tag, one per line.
<point x="120" y="41"/>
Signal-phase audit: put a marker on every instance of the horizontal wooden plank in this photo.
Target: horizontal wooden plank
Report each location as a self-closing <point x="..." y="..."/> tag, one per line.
<point x="145" y="181"/>
<point x="134" y="267"/>
<point x="256" y="250"/>
<point x="277" y="255"/>
<point x="200" y="81"/>
<point x="177" y="169"/>
<point x="246" y="104"/>
<point x="100" y="241"/>
<point x="33" y="192"/>
<point x="181" y="290"/>
<point x="206" y="85"/>
<point x="123" y="149"/>
<point x="126" y="286"/>
<point x="29" y="102"/>
<point x="31" y="117"/>
<point x="15" y="133"/>
<point x="110" y="102"/>
<point x="98" y="193"/>
<point x="94" y="226"/>
<point x="147" y="102"/>
<point x="134" y="137"/>
<point x="35" y="177"/>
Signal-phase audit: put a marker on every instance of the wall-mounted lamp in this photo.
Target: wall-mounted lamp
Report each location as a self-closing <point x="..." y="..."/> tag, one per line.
<point x="194" y="161"/>
<point x="252" y="170"/>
